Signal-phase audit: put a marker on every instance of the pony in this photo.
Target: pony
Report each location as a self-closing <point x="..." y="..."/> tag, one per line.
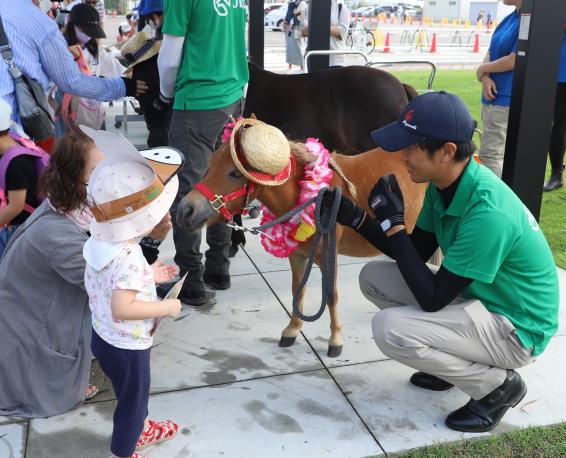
<point x="340" y="106"/>
<point x="228" y="190"/>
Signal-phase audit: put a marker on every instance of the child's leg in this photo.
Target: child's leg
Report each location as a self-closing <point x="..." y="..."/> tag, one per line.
<point x="130" y="375"/>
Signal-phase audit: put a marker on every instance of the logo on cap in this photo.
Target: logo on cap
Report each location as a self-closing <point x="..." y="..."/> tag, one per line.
<point x="408" y="118"/>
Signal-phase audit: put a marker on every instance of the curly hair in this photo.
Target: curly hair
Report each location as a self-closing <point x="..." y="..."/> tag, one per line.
<point x="63" y="179"/>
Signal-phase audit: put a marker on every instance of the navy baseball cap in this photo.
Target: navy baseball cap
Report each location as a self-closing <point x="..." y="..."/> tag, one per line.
<point x="434" y="115"/>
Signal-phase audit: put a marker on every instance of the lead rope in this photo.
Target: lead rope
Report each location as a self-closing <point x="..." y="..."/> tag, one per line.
<point x="325" y="229"/>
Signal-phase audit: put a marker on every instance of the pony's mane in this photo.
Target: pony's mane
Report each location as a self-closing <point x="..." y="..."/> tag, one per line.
<point x="303" y="156"/>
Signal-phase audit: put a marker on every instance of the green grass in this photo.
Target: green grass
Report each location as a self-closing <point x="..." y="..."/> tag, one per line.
<point x="536" y="442"/>
<point x="463" y="83"/>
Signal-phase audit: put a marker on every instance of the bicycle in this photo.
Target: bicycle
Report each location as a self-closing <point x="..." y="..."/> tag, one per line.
<point x="361" y="38"/>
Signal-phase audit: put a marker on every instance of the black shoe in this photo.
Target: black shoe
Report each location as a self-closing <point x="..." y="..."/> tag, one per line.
<point x="484" y="415"/>
<point x="555" y="181"/>
<point x="429" y="382"/>
<point x="217" y="281"/>
<point x="197" y="298"/>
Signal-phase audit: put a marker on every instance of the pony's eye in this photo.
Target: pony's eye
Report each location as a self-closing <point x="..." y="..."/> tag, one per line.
<point x="235" y="174"/>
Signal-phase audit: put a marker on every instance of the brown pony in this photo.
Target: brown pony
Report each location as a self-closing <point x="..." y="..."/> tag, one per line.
<point x="355" y="175"/>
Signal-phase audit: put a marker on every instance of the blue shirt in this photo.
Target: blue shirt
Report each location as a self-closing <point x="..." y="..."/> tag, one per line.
<point x="562" y="71"/>
<point x="503" y="43"/>
<point x="40" y="52"/>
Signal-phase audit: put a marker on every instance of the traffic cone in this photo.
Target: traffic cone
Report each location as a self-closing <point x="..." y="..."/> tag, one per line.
<point x="433" y="44"/>
<point x="477" y="43"/>
<point x="387" y="43"/>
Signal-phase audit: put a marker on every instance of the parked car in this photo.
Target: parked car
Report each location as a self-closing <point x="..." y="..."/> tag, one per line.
<point x="359" y="12"/>
<point x="271" y="6"/>
<point x="274" y="19"/>
<point x="376" y="10"/>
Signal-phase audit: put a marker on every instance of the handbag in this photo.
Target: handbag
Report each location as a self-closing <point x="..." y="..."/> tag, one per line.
<point x="30" y="97"/>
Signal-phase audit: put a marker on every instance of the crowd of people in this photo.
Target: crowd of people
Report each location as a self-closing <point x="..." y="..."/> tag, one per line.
<point x="80" y="236"/>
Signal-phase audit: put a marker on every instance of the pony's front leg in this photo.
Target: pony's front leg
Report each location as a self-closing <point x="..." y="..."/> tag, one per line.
<point x="298" y="265"/>
<point x="336" y="342"/>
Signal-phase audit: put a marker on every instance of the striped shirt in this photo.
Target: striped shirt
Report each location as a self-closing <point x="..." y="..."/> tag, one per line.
<point x="40" y="52"/>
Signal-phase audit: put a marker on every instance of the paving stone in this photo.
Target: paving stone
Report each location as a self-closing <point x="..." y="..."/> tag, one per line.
<point x="356" y="313"/>
<point x="12" y="438"/>
<point x="297" y="415"/>
<point x="403" y="416"/>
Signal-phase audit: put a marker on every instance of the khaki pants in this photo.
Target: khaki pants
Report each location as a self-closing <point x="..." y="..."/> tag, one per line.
<point x="463" y="344"/>
<point x="494" y="134"/>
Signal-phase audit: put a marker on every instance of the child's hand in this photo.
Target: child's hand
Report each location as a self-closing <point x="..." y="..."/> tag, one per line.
<point x="163" y="273"/>
<point x="160" y="231"/>
<point x="172" y="307"/>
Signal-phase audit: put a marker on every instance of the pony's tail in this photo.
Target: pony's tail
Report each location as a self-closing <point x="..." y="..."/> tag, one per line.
<point x="410" y="91"/>
<point x="351" y="186"/>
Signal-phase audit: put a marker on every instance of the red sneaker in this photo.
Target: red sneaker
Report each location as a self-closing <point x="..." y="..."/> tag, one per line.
<point x="157" y="432"/>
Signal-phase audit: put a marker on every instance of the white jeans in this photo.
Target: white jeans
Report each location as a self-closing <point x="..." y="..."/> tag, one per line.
<point x="463" y="344"/>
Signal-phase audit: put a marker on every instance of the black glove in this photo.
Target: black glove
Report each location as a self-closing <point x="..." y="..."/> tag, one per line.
<point x="349" y="214"/>
<point x="162" y="103"/>
<point x="386" y="202"/>
<point x="131" y="86"/>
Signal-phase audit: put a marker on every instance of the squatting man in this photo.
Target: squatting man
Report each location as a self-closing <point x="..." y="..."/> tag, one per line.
<point x="492" y="306"/>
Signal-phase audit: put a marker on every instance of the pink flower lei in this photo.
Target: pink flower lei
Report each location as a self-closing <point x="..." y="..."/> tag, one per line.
<point x="281" y="240"/>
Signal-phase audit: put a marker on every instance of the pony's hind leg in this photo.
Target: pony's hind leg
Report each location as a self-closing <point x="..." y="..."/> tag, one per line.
<point x="289" y="335"/>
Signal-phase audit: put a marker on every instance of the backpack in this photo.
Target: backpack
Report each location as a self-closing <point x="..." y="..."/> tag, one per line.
<point x="290" y="16"/>
<point x="25" y="147"/>
<point x="77" y="110"/>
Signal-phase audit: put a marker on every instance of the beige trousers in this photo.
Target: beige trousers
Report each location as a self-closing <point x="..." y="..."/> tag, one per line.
<point x="494" y="134"/>
<point x="463" y="344"/>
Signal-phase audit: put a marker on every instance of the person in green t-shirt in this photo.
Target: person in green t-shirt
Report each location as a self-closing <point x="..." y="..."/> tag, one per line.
<point x="203" y="70"/>
<point x="492" y="306"/>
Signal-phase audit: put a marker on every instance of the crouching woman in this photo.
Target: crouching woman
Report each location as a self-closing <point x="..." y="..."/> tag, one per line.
<point x="44" y="314"/>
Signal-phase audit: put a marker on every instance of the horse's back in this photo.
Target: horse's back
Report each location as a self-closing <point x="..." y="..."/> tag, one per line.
<point x="340" y="106"/>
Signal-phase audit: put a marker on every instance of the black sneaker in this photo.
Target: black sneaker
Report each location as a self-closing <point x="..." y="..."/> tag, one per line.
<point x="484" y="414"/>
<point x="197" y="298"/>
<point x="217" y="281"/>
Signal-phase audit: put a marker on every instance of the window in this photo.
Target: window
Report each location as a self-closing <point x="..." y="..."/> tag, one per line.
<point x="451" y="3"/>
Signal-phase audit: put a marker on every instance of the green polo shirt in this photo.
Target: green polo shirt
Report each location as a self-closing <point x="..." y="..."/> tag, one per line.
<point x="214" y="66"/>
<point x="488" y="235"/>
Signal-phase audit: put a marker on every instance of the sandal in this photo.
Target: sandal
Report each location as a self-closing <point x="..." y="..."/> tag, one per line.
<point x="91" y="392"/>
<point x="157" y="432"/>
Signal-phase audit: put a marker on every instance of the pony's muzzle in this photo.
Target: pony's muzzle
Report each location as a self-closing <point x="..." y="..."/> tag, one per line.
<point x="193" y="211"/>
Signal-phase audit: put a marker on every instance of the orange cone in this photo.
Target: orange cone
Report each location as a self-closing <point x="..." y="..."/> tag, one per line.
<point x="477" y="43"/>
<point x="433" y="44"/>
<point x="387" y="43"/>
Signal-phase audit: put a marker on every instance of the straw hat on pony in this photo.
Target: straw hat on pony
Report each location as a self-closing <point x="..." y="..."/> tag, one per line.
<point x="261" y="152"/>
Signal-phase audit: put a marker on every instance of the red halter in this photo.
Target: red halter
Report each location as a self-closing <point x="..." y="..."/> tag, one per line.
<point x="218" y="202"/>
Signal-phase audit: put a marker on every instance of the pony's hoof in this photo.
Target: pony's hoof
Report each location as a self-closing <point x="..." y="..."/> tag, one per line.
<point x="334" y="351"/>
<point x="286" y="341"/>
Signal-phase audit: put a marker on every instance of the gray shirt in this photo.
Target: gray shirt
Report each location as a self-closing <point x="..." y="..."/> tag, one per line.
<point x="45" y="321"/>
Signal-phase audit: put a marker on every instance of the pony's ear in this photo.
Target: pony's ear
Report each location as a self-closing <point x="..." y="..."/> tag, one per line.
<point x="253" y="116"/>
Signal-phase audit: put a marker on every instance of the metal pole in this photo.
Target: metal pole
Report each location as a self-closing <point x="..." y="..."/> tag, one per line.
<point x="319" y="33"/>
<point x="256" y="32"/>
<point x="532" y="100"/>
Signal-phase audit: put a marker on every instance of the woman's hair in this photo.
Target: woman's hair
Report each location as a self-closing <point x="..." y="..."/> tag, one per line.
<point x="63" y="179"/>
<point x="71" y="37"/>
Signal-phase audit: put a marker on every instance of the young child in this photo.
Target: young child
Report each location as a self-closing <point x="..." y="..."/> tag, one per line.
<point x="18" y="177"/>
<point x="128" y="198"/>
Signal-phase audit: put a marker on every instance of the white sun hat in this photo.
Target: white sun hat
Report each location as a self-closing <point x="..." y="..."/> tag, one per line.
<point x="128" y="194"/>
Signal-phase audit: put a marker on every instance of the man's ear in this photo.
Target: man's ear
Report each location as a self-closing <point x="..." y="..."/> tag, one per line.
<point x="448" y="151"/>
